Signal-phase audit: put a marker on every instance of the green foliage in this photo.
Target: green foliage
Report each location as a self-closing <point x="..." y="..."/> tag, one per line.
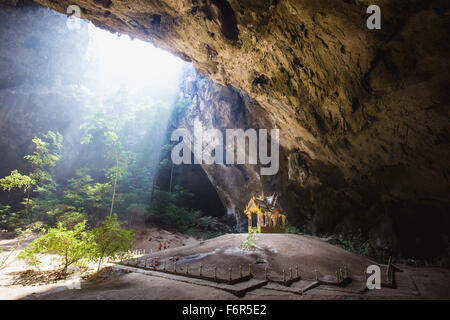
<point x="10" y="220"/>
<point x="359" y="244"/>
<point x="110" y="240"/>
<point x="106" y="127"/>
<point x="292" y="229"/>
<point x="249" y="242"/>
<point x="44" y="158"/>
<point x="16" y="181"/>
<point x="76" y="246"/>
<point x="83" y="194"/>
<point x="135" y="211"/>
<point x="71" y="246"/>
<point x="68" y="216"/>
<point x="13" y="220"/>
<point x="202" y="234"/>
<point x="166" y="213"/>
<point x="46" y="154"/>
<point x="4" y="209"/>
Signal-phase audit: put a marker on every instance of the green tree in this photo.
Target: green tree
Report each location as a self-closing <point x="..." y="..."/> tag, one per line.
<point x="106" y="127"/>
<point x="46" y="153"/>
<point x="121" y="160"/>
<point x="71" y="246"/>
<point x="43" y="161"/>
<point x="110" y="240"/>
<point x="16" y="180"/>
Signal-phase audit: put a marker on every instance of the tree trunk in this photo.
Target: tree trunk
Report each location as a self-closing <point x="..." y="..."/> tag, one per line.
<point x="99" y="264"/>
<point x="28" y="203"/>
<point x="114" y="187"/>
<point x="153" y="191"/>
<point x="171" y="177"/>
<point x="66" y="265"/>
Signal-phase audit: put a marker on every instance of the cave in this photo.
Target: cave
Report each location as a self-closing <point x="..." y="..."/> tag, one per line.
<point x="361" y="114"/>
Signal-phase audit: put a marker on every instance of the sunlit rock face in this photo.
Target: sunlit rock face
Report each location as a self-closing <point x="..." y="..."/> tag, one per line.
<point x="363" y="114"/>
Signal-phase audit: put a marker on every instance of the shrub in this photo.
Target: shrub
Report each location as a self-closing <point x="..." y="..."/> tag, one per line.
<point x="110" y="240"/>
<point x="72" y="246"/>
<point x="249" y="242"/>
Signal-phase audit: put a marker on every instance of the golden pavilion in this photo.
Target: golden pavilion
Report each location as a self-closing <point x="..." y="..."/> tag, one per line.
<point x="263" y="213"/>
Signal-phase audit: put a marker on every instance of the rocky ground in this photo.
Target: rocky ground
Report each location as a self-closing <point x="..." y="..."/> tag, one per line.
<point x="272" y="251"/>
